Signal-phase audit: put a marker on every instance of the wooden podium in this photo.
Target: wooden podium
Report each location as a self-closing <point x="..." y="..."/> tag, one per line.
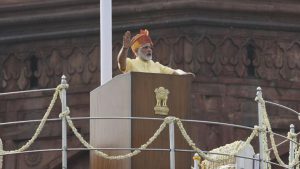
<point x="132" y="95"/>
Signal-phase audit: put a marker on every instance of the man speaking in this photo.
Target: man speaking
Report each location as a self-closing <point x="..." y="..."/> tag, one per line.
<point x="141" y="45"/>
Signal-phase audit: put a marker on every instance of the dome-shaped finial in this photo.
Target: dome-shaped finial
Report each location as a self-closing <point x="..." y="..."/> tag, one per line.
<point x="258" y="88"/>
<point x="63" y="79"/>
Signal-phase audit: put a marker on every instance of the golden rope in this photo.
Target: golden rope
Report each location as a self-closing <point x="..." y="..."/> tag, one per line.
<point x="39" y="128"/>
<point x="117" y="157"/>
<point x="267" y="124"/>
<point x="207" y="157"/>
<point x="167" y="120"/>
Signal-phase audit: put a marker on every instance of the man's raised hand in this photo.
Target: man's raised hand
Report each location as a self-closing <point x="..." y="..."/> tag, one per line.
<point x="126" y="39"/>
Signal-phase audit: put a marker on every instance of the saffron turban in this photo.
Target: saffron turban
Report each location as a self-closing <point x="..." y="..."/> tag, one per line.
<point x="140" y="39"/>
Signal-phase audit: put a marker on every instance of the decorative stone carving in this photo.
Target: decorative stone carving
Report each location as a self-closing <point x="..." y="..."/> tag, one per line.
<point x="162" y="51"/>
<point x="15" y="72"/>
<point x="78" y="65"/>
<point x="228" y="52"/>
<point x="200" y="54"/>
<point x="33" y="159"/>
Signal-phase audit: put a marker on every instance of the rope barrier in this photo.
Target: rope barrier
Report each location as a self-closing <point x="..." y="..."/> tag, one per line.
<point x="39" y="128"/>
<point x="117" y="157"/>
<point x="207" y="157"/>
<point x="167" y="120"/>
<point x="239" y="145"/>
<point x="267" y="124"/>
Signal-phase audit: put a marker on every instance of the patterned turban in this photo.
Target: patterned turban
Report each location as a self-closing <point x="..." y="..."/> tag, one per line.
<point x="140" y="39"/>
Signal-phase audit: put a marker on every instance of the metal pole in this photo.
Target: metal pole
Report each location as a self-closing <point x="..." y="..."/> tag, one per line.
<point x="260" y="123"/>
<point x="172" y="145"/>
<point x="64" y="122"/>
<point x="292" y="146"/>
<point x="256" y="162"/>
<point x="106" y="40"/>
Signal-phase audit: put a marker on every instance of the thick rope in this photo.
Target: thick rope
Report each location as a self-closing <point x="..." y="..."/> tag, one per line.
<point x="208" y="157"/>
<point x="117" y="157"/>
<point x="267" y="124"/>
<point x="167" y="120"/>
<point x="39" y="128"/>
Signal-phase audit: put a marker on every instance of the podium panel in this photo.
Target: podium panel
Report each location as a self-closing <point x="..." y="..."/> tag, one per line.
<point x="132" y="95"/>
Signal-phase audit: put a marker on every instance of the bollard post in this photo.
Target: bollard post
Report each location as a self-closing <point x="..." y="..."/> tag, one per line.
<point x="260" y="123"/>
<point x="172" y="145"/>
<point x="196" y="160"/>
<point x="292" y="146"/>
<point x="63" y="99"/>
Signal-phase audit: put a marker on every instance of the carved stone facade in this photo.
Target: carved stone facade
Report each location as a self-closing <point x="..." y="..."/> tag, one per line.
<point x="232" y="47"/>
<point x="26" y="68"/>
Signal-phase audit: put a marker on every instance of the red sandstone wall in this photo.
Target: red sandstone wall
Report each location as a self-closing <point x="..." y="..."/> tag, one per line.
<point x="232" y="48"/>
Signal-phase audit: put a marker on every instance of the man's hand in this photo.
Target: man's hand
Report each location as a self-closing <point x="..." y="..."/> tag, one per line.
<point x="124" y="51"/>
<point x="126" y="40"/>
<point x="181" y="72"/>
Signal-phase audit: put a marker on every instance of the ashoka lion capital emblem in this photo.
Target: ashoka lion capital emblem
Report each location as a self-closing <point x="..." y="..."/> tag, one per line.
<point x="161" y="107"/>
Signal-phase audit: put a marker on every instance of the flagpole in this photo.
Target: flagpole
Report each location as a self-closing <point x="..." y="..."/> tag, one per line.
<point x="105" y="40"/>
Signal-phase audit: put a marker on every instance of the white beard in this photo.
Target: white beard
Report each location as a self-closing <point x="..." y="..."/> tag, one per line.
<point x="143" y="56"/>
